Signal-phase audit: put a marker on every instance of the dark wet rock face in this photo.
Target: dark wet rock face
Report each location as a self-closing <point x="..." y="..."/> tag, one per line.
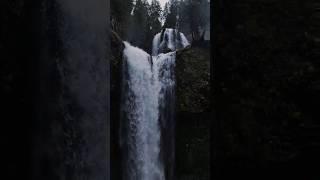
<point x="193" y="113"/>
<point x="193" y="76"/>
<point x="117" y="48"/>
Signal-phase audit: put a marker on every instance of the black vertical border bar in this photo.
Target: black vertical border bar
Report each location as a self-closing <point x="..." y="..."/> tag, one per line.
<point x="215" y="20"/>
<point x="108" y="54"/>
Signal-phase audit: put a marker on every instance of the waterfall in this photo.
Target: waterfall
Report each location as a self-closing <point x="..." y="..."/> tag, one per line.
<point x="168" y="40"/>
<point x="147" y="110"/>
<point x="155" y="44"/>
<point x="141" y="110"/>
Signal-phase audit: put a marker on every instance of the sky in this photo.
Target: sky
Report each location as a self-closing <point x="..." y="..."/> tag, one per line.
<point x="162" y="2"/>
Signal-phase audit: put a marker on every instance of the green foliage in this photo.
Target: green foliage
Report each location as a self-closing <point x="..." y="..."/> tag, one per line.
<point x="165" y="12"/>
<point x="154" y="16"/>
<point x="120" y="15"/>
<point x="139" y="27"/>
<point x="171" y="14"/>
<point x="139" y="22"/>
<point x="120" y="9"/>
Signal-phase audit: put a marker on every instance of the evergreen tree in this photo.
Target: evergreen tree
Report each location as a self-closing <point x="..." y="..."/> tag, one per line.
<point x="153" y="24"/>
<point x="183" y="17"/>
<point x="120" y="15"/>
<point x="171" y="17"/>
<point x="154" y="16"/>
<point x="139" y="24"/>
<point x="165" y="12"/>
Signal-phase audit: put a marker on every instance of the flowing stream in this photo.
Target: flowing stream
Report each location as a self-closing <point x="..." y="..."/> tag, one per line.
<point x="147" y="130"/>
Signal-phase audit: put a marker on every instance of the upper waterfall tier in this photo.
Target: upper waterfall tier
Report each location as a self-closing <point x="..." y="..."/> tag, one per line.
<point x="168" y="40"/>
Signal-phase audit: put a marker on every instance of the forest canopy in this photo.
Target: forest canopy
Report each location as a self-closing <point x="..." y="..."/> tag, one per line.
<point x="137" y="21"/>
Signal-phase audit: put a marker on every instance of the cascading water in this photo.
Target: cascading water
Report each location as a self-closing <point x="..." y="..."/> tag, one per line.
<point x="141" y="110"/>
<point x="147" y="130"/>
<point x="168" y="39"/>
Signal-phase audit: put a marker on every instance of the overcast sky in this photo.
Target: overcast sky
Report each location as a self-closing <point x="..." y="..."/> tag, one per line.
<point x="162" y="2"/>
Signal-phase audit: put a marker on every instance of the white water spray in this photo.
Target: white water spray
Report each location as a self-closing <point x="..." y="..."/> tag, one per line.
<point x="168" y="39"/>
<point x="148" y="106"/>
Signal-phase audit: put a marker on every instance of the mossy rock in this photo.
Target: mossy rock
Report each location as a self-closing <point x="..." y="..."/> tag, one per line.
<point x="193" y="76"/>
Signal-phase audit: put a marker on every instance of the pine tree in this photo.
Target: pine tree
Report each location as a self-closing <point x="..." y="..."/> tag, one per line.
<point x="139" y="24"/>
<point x="154" y="16"/>
<point x="171" y="17"/>
<point x="120" y="15"/>
<point x="165" y="12"/>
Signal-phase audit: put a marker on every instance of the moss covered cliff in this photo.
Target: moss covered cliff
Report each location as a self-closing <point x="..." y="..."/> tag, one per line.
<point x="193" y="76"/>
<point x="193" y="113"/>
